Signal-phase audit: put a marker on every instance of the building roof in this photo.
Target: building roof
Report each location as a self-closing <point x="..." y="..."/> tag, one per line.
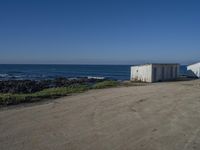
<point x="157" y="64"/>
<point x="194" y="64"/>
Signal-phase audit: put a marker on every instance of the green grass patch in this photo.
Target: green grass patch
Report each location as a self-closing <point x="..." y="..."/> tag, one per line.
<point x="11" y="99"/>
<point x="130" y="83"/>
<point x="106" y="84"/>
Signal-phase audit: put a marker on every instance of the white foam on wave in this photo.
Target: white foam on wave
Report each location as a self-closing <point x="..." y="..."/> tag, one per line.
<point x="98" y="78"/>
<point x="3" y="75"/>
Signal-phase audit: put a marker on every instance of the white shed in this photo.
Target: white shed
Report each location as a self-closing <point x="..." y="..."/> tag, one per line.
<point x="194" y="70"/>
<point x="155" y="72"/>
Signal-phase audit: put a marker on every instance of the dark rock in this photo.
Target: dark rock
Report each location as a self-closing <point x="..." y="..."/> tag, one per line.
<point x="31" y="86"/>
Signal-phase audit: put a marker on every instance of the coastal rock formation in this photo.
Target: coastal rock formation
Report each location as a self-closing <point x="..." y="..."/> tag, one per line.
<point x="31" y="86"/>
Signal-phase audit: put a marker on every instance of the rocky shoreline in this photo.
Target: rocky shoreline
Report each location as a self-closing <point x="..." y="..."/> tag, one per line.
<point x="14" y="92"/>
<point x="31" y="86"/>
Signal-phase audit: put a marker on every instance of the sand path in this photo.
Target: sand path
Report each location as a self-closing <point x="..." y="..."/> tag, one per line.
<point x="161" y="116"/>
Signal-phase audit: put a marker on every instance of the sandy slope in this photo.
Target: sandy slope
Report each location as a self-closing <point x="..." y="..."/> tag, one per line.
<point x="162" y="116"/>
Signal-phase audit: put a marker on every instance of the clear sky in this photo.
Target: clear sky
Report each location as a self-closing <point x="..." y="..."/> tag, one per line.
<point x="99" y="31"/>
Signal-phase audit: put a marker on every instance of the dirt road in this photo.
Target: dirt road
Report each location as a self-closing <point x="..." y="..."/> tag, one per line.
<point x="161" y="116"/>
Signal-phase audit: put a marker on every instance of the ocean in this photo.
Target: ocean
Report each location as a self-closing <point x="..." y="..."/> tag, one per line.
<point x="40" y="72"/>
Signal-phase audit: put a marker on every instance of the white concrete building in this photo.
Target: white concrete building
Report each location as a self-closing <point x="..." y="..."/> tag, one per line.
<point x="155" y="72"/>
<point x="194" y="70"/>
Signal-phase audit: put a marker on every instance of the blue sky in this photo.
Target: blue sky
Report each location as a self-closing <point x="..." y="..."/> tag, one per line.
<point x="99" y="32"/>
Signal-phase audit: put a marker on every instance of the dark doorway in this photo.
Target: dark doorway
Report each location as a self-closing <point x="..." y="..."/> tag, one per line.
<point x="154" y="74"/>
<point x="163" y="73"/>
<point x="176" y="74"/>
<point x="171" y="72"/>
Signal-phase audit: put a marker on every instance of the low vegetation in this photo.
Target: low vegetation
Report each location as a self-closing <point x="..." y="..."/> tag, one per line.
<point x="28" y="92"/>
<point x="11" y="99"/>
<point x="133" y="83"/>
<point x="49" y="93"/>
<point x="105" y="84"/>
<point x="32" y="86"/>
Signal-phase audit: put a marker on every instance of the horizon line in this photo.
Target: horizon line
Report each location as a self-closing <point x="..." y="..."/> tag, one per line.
<point x="82" y="64"/>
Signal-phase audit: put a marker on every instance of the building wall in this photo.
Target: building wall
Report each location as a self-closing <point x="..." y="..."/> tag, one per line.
<point x="155" y="72"/>
<point x="166" y="72"/>
<point x="194" y="70"/>
<point x="141" y="73"/>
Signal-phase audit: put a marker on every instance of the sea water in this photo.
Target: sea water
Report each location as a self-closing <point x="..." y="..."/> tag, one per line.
<point x="40" y="72"/>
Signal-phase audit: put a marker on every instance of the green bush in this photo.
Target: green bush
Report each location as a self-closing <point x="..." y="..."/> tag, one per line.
<point x="105" y="84"/>
<point x="10" y="99"/>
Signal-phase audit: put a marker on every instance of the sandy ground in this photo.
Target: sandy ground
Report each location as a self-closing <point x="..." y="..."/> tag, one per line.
<point x="161" y="116"/>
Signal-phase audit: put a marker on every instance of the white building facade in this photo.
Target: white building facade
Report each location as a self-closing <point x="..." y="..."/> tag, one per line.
<point x="194" y="70"/>
<point x="155" y="72"/>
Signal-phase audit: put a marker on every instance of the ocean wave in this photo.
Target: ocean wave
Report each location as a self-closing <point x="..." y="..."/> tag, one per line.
<point x="98" y="78"/>
<point x="3" y="75"/>
<point x="14" y="72"/>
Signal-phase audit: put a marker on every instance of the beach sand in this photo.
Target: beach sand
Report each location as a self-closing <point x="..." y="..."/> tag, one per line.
<point x="159" y="116"/>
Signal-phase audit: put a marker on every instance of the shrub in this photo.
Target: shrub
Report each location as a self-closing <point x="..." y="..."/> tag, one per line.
<point x="49" y="93"/>
<point x="10" y="99"/>
<point x="105" y="84"/>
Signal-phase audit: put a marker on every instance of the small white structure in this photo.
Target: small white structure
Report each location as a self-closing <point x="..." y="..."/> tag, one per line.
<point x="155" y="72"/>
<point x="194" y="70"/>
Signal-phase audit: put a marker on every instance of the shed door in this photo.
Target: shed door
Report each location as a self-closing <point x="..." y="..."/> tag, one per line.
<point x="176" y="74"/>
<point x="171" y="72"/>
<point x="163" y="73"/>
<point x="154" y="74"/>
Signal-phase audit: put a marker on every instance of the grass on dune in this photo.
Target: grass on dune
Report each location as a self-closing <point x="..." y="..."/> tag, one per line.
<point x="12" y="99"/>
<point x="105" y="84"/>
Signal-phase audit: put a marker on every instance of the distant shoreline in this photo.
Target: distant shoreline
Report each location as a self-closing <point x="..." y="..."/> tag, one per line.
<point x="37" y="72"/>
